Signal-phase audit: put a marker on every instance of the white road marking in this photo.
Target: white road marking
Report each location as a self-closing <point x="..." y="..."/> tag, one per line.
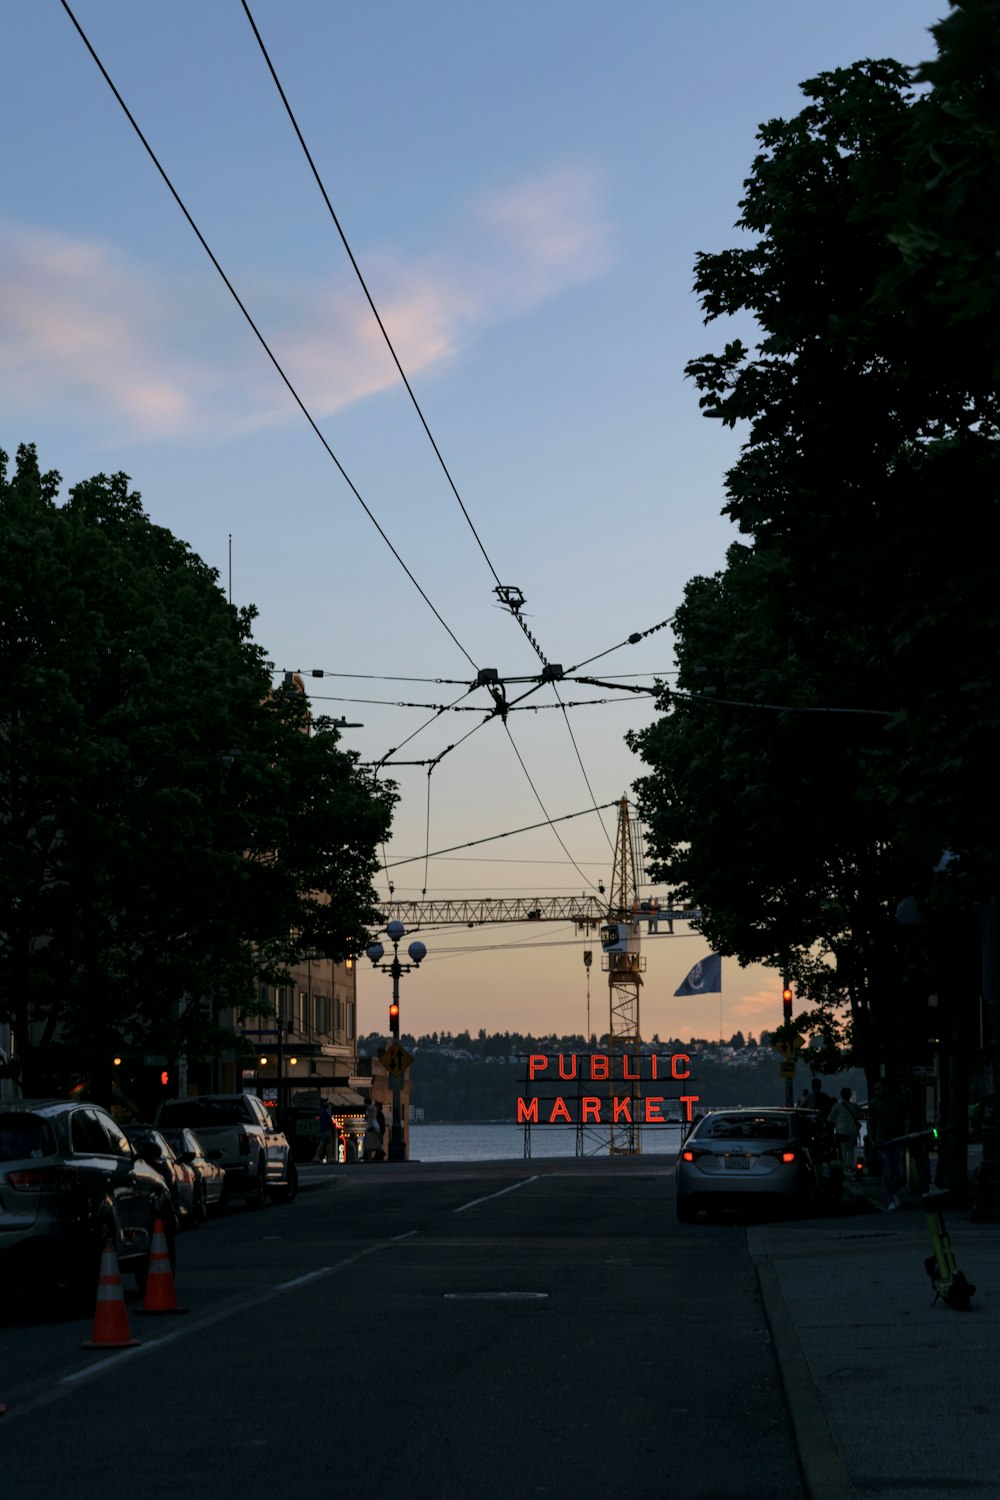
<point x="494" y="1296"/>
<point x="514" y="1185"/>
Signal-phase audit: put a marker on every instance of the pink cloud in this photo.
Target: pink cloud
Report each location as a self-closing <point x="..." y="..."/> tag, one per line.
<point x="157" y="354"/>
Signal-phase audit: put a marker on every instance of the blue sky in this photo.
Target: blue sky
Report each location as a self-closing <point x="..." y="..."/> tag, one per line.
<point x="525" y="188"/>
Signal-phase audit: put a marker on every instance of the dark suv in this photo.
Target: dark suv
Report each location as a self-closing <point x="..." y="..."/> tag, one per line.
<point x="70" y="1182"/>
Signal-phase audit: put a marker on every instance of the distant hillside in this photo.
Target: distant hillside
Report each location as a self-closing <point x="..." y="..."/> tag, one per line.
<point x="467" y="1079"/>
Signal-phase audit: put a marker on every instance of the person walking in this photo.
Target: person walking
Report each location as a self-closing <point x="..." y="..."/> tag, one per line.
<point x="371" y="1145"/>
<point x="820" y="1099"/>
<point x="845" y="1118"/>
<point x="380" y="1117"/>
<point x="324" y="1139"/>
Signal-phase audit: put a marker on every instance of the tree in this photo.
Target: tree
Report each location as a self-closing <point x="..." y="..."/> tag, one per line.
<point x="871" y="405"/>
<point x="171" y="834"/>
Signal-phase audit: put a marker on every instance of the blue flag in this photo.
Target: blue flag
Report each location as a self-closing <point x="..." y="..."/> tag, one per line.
<point x="704" y="979"/>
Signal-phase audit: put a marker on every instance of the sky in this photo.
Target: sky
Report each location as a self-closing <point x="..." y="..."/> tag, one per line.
<point x="524" y="189"/>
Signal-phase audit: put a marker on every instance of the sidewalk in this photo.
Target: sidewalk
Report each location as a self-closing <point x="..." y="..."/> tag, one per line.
<point x="890" y="1397"/>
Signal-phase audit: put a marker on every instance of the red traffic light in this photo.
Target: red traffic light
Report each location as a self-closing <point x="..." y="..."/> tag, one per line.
<point x="786" y="995"/>
<point x="393" y="1011"/>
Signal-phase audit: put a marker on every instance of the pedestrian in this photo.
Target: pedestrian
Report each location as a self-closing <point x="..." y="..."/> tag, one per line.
<point x="845" y="1118"/>
<point x="380" y="1117"/>
<point x="371" y="1145"/>
<point x="324" y="1138"/>
<point x="820" y="1099"/>
<point x="806" y="1101"/>
<point x="886" y="1122"/>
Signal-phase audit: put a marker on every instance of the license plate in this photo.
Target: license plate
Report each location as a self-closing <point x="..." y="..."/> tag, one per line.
<point x="738" y="1162"/>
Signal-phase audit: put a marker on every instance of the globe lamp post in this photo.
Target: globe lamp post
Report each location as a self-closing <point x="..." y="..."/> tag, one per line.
<point x="395" y="931"/>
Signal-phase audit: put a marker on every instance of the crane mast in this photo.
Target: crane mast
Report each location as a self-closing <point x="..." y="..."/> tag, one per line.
<point x="624" y="963"/>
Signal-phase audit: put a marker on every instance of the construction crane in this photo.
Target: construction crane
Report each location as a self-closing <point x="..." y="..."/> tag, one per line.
<point x="624" y="964"/>
<point x="619" y="915"/>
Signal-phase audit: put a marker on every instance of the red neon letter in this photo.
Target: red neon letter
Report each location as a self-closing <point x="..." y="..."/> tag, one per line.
<point x="654" y="1060"/>
<point x="630" y="1077"/>
<point x="653" y="1116"/>
<point x="687" y="1100"/>
<point x="623" y="1107"/>
<point x="598" y="1065"/>
<point x="674" y="1070"/>
<point x="591" y="1110"/>
<point x="562" y="1070"/>
<point x="527" y="1109"/>
<point x="559" y="1112"/>
<point x="537" y="1063"/>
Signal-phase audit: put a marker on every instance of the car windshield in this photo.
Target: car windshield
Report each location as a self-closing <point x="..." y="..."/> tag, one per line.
<point x="202" y="1112"/>
<point x="23" y="1137"/>
<point x="763" y="1127"/>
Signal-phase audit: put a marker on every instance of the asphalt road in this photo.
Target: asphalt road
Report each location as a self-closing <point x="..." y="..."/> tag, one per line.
<point x="508" y="1330"/>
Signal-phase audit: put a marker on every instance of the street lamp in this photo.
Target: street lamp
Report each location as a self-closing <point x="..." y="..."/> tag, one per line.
<point x="395" y="931"/>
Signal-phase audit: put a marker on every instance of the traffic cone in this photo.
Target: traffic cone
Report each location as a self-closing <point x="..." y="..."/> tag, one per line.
<point x="160" y="1294"/>
<point x="111" y="1330"/>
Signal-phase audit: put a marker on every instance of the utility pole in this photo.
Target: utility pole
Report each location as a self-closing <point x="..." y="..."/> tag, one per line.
<point x="786" y="1016"/>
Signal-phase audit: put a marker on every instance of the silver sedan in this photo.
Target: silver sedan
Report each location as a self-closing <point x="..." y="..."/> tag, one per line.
<point x="742" y="1158"/>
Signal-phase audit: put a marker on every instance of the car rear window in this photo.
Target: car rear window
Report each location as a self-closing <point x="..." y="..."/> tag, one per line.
<point x="23" y="1137"/>
<point x="199" y="1113"/>
<point x="761" y="1127"/>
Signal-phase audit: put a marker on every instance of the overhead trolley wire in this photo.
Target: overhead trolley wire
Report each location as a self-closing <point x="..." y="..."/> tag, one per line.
<point x="631" y="640"/>
<point x="260" y="337"/>
<point x="364" y="286"/>
<point x="545" y="810"/>
<point x="510" y="833"/>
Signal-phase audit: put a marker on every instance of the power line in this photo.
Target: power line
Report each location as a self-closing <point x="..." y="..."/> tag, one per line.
<point x="260" y="337"/>
<point x="545" y="811"/>
<point x="501" y="590"/>
<point x="631" y="640"/>
<point x="364" y="286"/>
<point x="491" y="838"/>
<point x="780" y="708"/>
<point x="453" y="681"/>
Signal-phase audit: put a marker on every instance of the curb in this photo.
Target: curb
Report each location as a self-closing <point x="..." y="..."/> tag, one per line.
<point x="823" y="1474"/>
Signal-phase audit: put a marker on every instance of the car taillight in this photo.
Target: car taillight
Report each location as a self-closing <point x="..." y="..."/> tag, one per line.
<point x="244" y="1143"/>
<point x="689" y="1155"/>
<point x="782" y="1156"/>
<point x="29" y="1178"/>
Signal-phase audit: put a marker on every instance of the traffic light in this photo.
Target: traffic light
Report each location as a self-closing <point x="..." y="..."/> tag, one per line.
<point x="786" y="995"/>
<point x="164" y="1078"/>
<point x="394" y="1017"/>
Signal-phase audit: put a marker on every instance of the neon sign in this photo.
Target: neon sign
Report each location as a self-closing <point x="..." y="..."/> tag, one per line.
<point x="612" y="1105"/>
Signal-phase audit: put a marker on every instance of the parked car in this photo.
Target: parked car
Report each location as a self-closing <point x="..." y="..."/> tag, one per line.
<point x="179" y="1177"/>
<point x="70" y="1181"/>
<point x="741" y="1158"/>
<point x="255" y="1154"/>
<point x="210" y="1187"/>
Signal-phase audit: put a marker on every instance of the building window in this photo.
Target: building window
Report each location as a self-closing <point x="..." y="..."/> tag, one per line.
<point x="321" y="1004"/>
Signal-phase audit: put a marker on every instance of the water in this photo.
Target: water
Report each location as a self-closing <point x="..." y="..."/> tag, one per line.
<point x="506" y="1142"/>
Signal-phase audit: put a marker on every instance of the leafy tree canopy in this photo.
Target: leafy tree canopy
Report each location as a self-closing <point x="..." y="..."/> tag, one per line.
<point x="172" y="830"/>
<point x="860" y="602"/>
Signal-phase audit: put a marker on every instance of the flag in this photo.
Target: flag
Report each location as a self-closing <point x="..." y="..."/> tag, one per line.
<point x="704" y="979"/>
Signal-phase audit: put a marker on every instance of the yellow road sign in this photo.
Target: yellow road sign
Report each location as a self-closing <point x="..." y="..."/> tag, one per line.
<point x="395" y="1060"/>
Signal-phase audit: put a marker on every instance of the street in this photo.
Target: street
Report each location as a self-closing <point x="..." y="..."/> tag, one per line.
<point x="535" y="1328"/>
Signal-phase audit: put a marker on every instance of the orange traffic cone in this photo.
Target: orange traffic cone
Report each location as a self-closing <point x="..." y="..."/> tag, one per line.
<point x="160" y="1294"/>
<point x="111" y="1330"/>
